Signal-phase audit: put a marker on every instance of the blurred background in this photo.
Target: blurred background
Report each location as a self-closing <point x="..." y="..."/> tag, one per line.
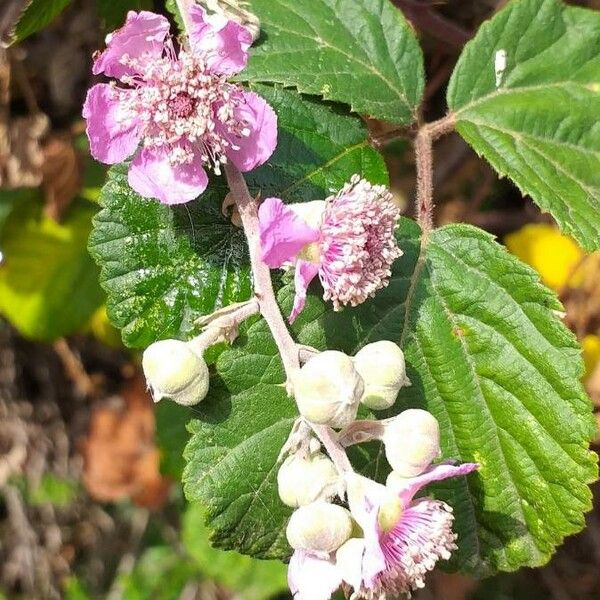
<point x="90" y="503"/>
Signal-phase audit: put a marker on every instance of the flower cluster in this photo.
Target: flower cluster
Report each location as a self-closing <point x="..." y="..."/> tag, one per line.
<point x="176" y="114"/>
<point x="386" y="541"/>
<point x="347" y="240"/>
<point x="178" y="105"/>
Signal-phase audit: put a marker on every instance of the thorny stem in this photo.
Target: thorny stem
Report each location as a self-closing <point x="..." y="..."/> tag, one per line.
<point x="426" y="135"/>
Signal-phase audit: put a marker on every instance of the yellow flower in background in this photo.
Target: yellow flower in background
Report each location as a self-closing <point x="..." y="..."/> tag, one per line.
<point x="591" y="353"/>
<point x="553" y="255"/>
<point x="103" y="330"/>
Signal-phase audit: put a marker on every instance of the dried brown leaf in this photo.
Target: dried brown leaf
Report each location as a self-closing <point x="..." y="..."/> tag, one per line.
<point x="121" y="459"/>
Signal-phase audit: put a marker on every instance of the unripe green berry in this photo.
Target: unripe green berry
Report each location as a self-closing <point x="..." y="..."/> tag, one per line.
<point x="412" y="441"/>
<point x="302" y="480"/>
<point x="382" y="367"/>
<point x="328" y="389"/>
<point x="173" y="370"/>
<point x="319" y="527"/>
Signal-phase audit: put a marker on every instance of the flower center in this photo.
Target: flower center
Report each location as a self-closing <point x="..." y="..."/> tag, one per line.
<point x="181" y="106"/>
<point x="390" y="512"/>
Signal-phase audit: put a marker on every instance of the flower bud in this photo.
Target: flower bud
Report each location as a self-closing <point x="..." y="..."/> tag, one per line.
<point x="173" y="370"/>
<point x="412" y="441"/>
<point x="328" y="389"/>
<point x="381" y="365"/>
<point x="301" y="481"/>
<point x="319" y="527"/>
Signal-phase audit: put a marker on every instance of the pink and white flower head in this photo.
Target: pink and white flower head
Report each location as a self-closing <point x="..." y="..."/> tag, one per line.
<point x="178" y="105"/>
<point x="347" y="240"/>
<point x="403" y="540"/>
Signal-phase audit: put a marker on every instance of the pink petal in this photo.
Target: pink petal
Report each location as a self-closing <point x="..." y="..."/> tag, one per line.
<point x="112" y="136"/>
<point x="152" y="175"/>
<point x="141" y="37"/>
<point x="261" y="121"/>
<point x="434" y="473"/>
<point x="305" y="273"/>
<point x="282" y="233"/>
<point x="223" y="44"/>
<point x="312" y="578"/>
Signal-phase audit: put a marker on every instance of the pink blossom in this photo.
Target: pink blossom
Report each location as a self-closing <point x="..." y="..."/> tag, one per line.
<point x="350" y="245"/>
<point x="178" y="105"/>
<point x="403" y="540"/>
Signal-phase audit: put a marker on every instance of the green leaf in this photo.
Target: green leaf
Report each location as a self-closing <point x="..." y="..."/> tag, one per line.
<point x="252" y="579"/>
<point x="48" y="282"/>
<point x="539" y="125"/>
<point x="319" y="147"/>
<point x="160" y="573"/>
<point x="172" y="436"/>
<point x="36" y="16"/>
<point x="53" y="490"/>
<point x="361" y="52"/>
<point x="163" y="267"/>
<point x="171" y="6"/>
<point x="486" y="354"/>
<point x="114" y="12"/>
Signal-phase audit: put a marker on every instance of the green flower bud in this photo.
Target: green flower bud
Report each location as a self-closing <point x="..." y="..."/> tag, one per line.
<point x="382" y="367"/>
<point x="328" y="389"/>
<point x="301" y="481"/>
<point x="412" y="441"/>
<point x="319" y="527"/>
<point x="173" y="370"/>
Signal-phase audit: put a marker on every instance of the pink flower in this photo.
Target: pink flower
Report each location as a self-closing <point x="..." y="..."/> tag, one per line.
<point x="179" y="105"/>
<point x="350" y="244"/>
<point x="403" y="540"/>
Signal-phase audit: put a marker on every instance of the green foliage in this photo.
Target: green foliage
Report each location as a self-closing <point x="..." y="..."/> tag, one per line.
<point x="160" y="573"/>
<point x="113" y="12"/>
<point x="53" y="490"/>
<point x="163" y="267"/>
<point x="171" y="6"/>
<point x="48" y="282"/>
<point x="172" y="436"/>
<point x="36" y="16"/>
<point x="253" y="579"/>
<point x="486" y="355"/>
<point x="539" y="125"/>
<point x="361" y="52"/>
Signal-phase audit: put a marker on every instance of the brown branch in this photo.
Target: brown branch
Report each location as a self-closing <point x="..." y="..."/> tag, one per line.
<point x="427" y="20"/>
<point x="426" y="135"/>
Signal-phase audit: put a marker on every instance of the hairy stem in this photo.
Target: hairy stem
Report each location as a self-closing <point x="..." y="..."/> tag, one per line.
<point x="426" y="135"/>
<point x="336" y="452"/>
<point x="222" y="325"/>
<point x="263" y="288"/>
